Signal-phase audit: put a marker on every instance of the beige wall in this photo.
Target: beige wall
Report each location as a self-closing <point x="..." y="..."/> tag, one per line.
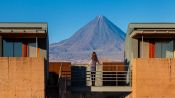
<point x="145" y="46"/>
<point x="153" y="78"/>
<point x="21" y="77"/>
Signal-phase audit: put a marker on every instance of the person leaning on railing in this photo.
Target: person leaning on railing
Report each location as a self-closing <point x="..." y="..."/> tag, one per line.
<point x="92" y="63"/>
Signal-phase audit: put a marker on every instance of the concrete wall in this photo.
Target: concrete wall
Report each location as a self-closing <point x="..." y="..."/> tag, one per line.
<point x="21" y="77"/>
<point x="153" y="78"/>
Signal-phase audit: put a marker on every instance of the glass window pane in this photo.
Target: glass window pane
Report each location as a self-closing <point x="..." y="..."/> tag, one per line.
<point x="169" y="49"/>
<point x="17" y="49"/>
<point x="164" y="49"/>
<point x="158" y="49"/>
<point x="7" y="48"/>
<point x="32" y="49"/>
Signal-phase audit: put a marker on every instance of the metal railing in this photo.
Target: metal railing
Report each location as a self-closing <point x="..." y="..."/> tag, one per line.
<point x="84" y="77"/>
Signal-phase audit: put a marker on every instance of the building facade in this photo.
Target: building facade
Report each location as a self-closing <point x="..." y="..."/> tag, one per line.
<point x="23" y="60"/>
<point x="150" y="53"/>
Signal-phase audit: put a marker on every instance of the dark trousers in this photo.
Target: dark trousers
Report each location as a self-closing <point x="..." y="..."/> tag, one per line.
<point x="93" y="78"/>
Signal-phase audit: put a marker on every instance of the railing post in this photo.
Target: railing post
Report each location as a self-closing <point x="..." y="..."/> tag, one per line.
<point x="88" y="76"/>
<point x="98" y="76"/>
<point x="129" y="75"/>
<point x="116" y="76"/>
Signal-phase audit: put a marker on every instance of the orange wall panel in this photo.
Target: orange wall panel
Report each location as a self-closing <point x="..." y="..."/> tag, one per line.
<point x="151" y="49"/>
<point x="24" y="50"/>
<point x="22" y="78"/>
<point x="153" y="78"/>
<point x="113" y="66"/>
<point x="65" y="68"/>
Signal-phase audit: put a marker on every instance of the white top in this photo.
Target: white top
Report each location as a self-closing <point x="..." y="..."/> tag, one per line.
<point x="93" y="65"/>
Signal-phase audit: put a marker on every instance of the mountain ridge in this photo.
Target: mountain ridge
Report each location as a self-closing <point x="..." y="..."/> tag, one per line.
<point x="99" y="35"/>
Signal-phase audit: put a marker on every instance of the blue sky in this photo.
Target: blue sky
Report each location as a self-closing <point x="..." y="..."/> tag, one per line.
<point x="65" y="17"/>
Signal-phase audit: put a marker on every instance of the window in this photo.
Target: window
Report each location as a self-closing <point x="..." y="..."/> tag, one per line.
<point x="19" y="47"/>
<point x="11" y="48"/>
<point x="164" y="49"/>
<point x="32" y="48"/>
<point x="159" y="48"/>
<point x="7" y="48"/>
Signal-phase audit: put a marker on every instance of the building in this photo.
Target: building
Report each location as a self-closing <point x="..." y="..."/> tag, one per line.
<point x="23" y="60"/>
<point x="150" y="52"/>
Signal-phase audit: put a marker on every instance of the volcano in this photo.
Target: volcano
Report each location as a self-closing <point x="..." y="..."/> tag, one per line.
<point x="99" y="35"/>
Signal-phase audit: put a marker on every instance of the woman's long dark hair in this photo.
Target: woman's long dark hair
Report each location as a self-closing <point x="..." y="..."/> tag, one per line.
<point x="94" y="56"/>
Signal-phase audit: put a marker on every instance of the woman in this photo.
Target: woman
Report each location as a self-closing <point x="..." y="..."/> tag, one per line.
<point x="93" y="62"/>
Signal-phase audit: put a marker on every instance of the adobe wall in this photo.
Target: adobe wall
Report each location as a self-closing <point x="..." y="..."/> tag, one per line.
<point x="21" y="78"/>
<point x="153" y="78"/>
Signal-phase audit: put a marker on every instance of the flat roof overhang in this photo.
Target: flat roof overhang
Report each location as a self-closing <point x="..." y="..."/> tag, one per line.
<point x="153" y="33"/>
<point x="22" y="33"/>
<point x="19" y="25"/>
<point x="23" y="29"/>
